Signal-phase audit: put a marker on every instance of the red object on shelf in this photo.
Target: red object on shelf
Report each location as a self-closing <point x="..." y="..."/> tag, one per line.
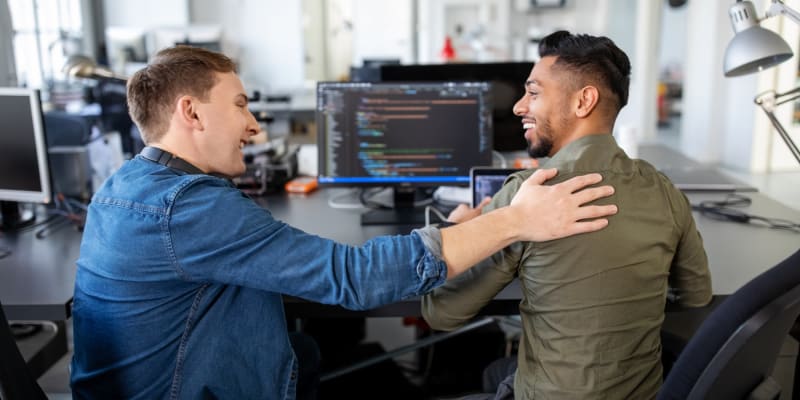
<point x="448" y="52"/>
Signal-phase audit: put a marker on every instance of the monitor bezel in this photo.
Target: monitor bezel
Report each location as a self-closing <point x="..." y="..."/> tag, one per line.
<point x="403" y="181"/>
<point x="45" y="194"/>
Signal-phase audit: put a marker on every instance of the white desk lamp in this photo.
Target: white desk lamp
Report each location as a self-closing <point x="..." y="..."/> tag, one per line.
<point x="753" y="49"/>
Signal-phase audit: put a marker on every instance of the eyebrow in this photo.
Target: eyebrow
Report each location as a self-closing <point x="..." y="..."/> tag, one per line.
<point x="530" y="82"/>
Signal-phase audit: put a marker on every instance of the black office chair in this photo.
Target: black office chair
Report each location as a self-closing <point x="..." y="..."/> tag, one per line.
<point x="16" y="381"/>
<point x="732" y="354"/>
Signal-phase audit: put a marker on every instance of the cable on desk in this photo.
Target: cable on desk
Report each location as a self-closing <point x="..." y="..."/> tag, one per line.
<point x="431" y="209"/>
<point x="333" y="201"/>
<point x="45" y="231"/>
<point x="725" y="211"/>
<point x="366" y="197"/>
<point x="35" y="225"/>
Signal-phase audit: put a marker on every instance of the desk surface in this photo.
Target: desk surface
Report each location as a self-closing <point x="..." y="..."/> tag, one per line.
<point x="37" y="278"/>
<point x="737" y="252"/>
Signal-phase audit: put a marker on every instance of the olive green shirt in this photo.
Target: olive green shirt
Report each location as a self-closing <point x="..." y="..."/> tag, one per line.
<point x="592" y="304"/>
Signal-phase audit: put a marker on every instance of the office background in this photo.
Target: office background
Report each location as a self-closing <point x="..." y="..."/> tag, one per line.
<point x="283" y="48"/>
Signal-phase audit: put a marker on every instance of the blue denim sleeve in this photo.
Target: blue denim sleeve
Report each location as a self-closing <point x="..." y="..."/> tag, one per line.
<point x="216" y="234"/>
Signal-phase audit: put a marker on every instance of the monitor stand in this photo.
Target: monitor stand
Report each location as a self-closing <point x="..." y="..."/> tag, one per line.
<point x="403" y="213"/>
<point x="12" y="218"/>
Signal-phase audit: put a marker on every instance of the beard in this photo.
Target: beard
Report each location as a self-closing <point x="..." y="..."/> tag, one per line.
<point x="543" y="144"/>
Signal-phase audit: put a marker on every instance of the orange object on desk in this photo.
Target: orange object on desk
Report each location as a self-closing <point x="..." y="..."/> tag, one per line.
<point x="302" y="184"/>
<point x="525" y="163"/>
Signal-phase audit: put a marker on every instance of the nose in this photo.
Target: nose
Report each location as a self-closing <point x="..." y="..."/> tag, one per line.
<point x="252" y="125"/>
<point x="521" y="106"/>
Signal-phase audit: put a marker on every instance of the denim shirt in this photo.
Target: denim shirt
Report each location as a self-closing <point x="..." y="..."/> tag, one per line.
<point x="179" y="283"/>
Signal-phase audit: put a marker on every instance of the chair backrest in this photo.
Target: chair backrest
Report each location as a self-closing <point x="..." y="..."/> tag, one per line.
<point x="16" y="381"/>
<point x="733" y="352"/>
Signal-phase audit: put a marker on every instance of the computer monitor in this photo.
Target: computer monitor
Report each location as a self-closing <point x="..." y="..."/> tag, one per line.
<point x="24" y="171"/>
<point x="402" y="135"/>
<point x="507" y="80"/>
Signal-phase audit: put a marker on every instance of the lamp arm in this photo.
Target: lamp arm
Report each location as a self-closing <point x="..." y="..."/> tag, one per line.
<point x="778" y="7"/>
<point x="770" y="99"/>
<point x="767" y="102"/>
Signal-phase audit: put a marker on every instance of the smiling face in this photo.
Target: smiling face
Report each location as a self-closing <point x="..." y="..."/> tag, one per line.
<point x="545" y="110"/>
<point x="227" y="124"/>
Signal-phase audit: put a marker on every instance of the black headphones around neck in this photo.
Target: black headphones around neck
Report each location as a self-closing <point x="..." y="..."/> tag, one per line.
<point x="168" y="159"/>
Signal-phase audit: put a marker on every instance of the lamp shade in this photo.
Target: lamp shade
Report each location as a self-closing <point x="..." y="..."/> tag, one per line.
<point x="753" y="48"/>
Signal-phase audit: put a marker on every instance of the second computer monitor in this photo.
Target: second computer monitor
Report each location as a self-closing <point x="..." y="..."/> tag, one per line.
<point x="24" y="170"/>
<point x="507" y="81"/>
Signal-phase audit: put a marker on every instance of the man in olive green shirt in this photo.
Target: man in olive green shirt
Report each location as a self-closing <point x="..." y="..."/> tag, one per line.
<point x="593" y="304"/>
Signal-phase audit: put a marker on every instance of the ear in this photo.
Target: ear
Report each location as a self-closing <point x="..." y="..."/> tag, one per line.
<point x="587" y="98"/>
<point x="187" y="112"/>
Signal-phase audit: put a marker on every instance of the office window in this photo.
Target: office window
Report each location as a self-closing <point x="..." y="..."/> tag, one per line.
<point x="45" y="33"/>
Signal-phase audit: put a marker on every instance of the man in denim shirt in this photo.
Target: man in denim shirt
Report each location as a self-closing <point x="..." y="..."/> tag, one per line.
<point x="179" y="283"/>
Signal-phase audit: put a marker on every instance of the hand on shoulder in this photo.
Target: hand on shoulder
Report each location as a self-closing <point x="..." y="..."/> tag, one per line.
<point x="544" y="213"/>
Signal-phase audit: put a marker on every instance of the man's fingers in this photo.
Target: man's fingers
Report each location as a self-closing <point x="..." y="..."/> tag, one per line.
<point x="541" y="175"/>
<point x="588" y="226"/>
<point x="591" y="194"/>
<point x="580" y="182"/>
<point x="590" y="212"/>
<point x="484" y="202"/>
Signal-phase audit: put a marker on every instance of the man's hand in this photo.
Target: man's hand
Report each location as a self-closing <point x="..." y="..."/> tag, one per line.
<point x="537" y="213"/>
<point x="465" y="213"/>
<point x="552" y="212"/>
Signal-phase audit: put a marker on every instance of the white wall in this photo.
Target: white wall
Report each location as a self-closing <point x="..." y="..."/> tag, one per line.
<point x="315" y="53"/>
<point x="268" y="39"/>
<point x="382" y="29"/>
<point x="146" y="13"/>
<point x="672" y="43"/>
<point x="263" y="36"/>
<point x="705" y="100"/>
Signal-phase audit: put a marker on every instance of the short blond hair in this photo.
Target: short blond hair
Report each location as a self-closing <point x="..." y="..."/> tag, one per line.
<point x="174" y="72"/>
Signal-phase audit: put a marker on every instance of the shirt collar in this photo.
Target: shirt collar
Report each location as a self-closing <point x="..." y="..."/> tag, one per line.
<point x="575" y="149"/>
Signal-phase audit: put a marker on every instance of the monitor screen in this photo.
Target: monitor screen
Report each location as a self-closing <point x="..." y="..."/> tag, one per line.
<point x="24" y="174"/>
<point x="402" y="134"/>
<point x="507" y="86"/>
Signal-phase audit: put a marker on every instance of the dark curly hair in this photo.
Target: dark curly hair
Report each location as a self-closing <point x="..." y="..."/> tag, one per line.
<point x="591" y="59"/>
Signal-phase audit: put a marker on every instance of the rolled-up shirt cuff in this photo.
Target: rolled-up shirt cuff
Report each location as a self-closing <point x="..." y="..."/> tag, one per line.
<point x="432" y="269"/>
